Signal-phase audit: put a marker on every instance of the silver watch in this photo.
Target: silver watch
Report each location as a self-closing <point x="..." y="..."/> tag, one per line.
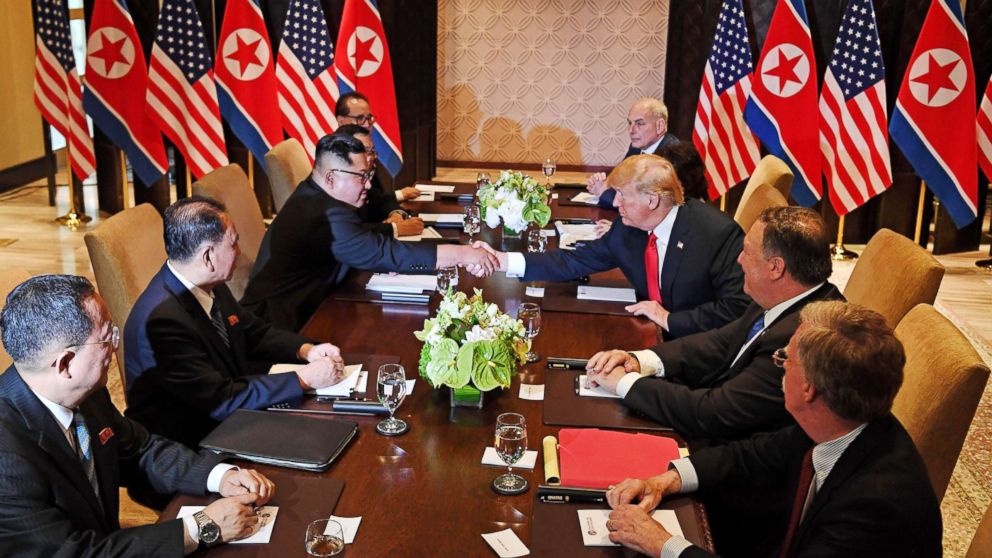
<point x="209" y="532"/>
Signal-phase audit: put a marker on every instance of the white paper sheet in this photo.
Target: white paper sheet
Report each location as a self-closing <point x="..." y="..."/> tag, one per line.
<point x="266" y="515"/>
<point x="442" y="217"/>
<point x="340" y="389"/>
<point x="490" y="457"/>
<point x="532" y="392"/>
<point x="424" y="197"/>
<point x="506" y="543"/>
<point x="597" y="391"/>
<point x="592" y="523"/>
<point x="429" y="232"/>
<point x="349" y="526"/>
<point x="385" y="283"/>
<point x="586" y="198"/>
<point x="611" y="294"/>
<point x="535" y="291"/>
<point x="443" y="188"/>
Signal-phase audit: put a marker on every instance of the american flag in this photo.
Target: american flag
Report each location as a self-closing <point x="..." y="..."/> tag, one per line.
<point x="985" y="131"/>
<point x="57" y="88"/>
<point x="854" y="140"/>
<point x="182" y="96"/>
<point x="308" y="89"/>
<point x="726" y="144"/>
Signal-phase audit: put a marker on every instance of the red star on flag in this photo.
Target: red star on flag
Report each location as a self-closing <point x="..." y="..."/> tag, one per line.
<point x="111" y="52"/>
<point x="245" y="54"/>
<point x="786" y="69"/>
<point x="937" y="77"/>
<point x="363" y="52"/>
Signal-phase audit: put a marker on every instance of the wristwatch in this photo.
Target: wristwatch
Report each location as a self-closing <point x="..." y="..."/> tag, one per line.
<point x="209" y="532"/>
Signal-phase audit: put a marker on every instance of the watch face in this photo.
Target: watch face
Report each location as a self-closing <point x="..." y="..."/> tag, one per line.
<point x="209" y="533"/>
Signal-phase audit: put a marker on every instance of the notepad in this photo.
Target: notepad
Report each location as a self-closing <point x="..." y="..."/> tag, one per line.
<point x="611" y="294"/>
<point x="424" y="197"/>
<point x="594" y="458"/>
<point x="414" y="284"/>
<point x="595" y="533"/>
<point x="586" y="198"/>
<point x="428" y="232"/>
<point x="598" y="391"/>
<point x="340" y="389"/>
<point x="443" y="188"/>
<point x="442" y="218"/>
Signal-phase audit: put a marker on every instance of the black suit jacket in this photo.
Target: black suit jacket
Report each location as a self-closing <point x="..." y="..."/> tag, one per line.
<point x="606" y="198"/>
<point x="378" y="206"/>
<point x="181" y="378"/>
<point x="309" y="249"/>
<point x="48" y="508"/>
<point x="707" y="396"/>
<point x="877" y="500"/>
<point x="701" y="283"/>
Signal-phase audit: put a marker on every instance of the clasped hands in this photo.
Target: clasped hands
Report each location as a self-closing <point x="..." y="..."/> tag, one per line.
<point x="633" y="500"/>
<point x="483" y="260"/>
<point x="605" y="368"/>
<point x="324" y="367"/>
<point x="243" y="491"/>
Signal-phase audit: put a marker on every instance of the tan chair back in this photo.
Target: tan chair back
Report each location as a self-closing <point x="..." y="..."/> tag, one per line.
<point x="9" y="279"/>
<point x="981" y="543"/>
<point x="760" y="198"/>
<point x="944" y="380"/>
<point x="126" y="251"/>
<point x="287" y="164"/>
<point x="771" y="171"/>
<point x="893" y="275"/>
<point x="229" y="185"/>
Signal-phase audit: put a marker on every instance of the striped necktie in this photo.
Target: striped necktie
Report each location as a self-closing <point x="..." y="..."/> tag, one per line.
<point x="84" y="451"/>
<point x="758" y="326"/>
<point x="218" y="320"/>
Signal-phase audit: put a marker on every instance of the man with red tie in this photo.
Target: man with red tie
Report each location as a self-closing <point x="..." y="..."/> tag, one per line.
<point x="679" y="255"/>
<point x="853" y="483"/>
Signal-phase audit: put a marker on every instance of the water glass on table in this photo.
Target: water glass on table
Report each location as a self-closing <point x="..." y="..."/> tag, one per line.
<point x="473" y="220"/>
<point x="511" y="443"/>
<point x="325" y="537"/>
<point x="536" y="241"/>
<point x="548" y="168"/>
<point x="530" y="314"/>
<point x="390" y="388"/>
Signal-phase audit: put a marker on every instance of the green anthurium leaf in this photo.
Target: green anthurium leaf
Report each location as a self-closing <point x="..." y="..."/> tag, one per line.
<point x="541" y="214"/>
<point x="441" y="369"/>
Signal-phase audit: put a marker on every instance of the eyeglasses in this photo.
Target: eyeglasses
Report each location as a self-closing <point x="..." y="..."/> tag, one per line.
<point x="363" y="119"/>
<point x="115" y="339"/>
<point x="366" y="176"/>
<point x="779" y="357"/>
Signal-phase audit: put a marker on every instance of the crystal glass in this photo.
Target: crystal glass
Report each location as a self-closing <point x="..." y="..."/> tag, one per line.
<point x="443" y="280"/>
<point x="536" y="241"/>
<point x="548" y="167"/>
<point x="325" y="537"/>
<point x="481" y="180"/>
<point x="530" y="314"/>
<point x="473" y="220"/>
<point x="390" y="388"/>
<point x="511" y="442"/>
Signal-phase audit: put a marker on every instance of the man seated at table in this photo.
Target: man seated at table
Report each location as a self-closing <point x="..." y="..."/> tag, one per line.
<point x="318" y="238"/>
<point x="193" y="355"/>
<point x="853" y="482"/>
<point x="381" y="211"/>
<point x="65" y="450"/>
<point x="722" y="384"/>
<point x="679" y="255"/>
<point x="647" y="126"/>
<point x="354" y="109"/>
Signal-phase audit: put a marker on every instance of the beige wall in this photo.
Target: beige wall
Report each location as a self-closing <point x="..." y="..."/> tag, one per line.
<point x="521" y="80"/>
<point x="20" y="121"/>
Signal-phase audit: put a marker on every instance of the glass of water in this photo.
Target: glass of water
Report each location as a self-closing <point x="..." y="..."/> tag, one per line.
<point x="530" y="314"/>
<point x="536" y="241"/>
<point x="473" y="220"/>
<point x="548" y="167"/>
<point x="511" y="443"/>
<point x="447" y="278"/>
<point x="391" y="389"/>
<point x="325" y="537"/>
<point x="481" y="180"/>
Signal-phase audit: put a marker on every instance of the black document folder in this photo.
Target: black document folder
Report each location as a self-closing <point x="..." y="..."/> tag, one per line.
<point x="298" y="442"/>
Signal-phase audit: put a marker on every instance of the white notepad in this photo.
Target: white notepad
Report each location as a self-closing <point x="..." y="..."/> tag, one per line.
<point x="340" y="389"/>
<point x="611" y="294"/>
<point x="594" y="532"/>
<point x="385" y="283"/>
<point x="429" y="232"/>
<point x="442" y="188"/>
<point x="597" y="391"/>
<point x="442" y="217"/>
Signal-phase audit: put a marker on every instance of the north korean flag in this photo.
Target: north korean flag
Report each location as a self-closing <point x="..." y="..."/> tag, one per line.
<point x="362" y="64"/>
<point x="782" y="109"/>
<point x="115" y="89"/>
<point x="934" y="119"/>
<point x="246" y="80"/>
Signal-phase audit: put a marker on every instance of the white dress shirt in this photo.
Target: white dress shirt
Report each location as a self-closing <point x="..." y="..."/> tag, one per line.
<point x="649" y="150"/>
<point x="205" y="299"/>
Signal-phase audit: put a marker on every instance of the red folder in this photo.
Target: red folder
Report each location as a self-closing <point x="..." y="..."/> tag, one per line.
<point x="593" y="458"/>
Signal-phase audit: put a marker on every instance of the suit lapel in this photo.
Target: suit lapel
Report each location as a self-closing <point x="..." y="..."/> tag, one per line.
<point x="678" y="242"/>
<point x="214" y="342"/>
<point x="235" y="332"/>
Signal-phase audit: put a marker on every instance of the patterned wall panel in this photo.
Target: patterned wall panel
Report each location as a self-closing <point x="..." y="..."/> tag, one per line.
<point x="521" y="80"/>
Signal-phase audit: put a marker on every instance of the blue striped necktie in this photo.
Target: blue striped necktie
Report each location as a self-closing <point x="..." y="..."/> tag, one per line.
<point x="218" y="320"/>
<point x="84" y="451"/>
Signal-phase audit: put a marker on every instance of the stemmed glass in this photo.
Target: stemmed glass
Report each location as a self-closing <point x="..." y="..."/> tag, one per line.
<point x="390" y="387"/>
<point x="473" y="220"/>
<point x="530" y="315"/>
<point x="481" y="180"/>
<point x="548" y="168"/>
<point x="511" y="443"/>
<point x="325" y="537"/>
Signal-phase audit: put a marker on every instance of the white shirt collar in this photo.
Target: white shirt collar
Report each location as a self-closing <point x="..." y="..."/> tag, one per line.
<point x="775" y="311"/>
<point x="654" y="146"/>
<point x="663" y="230"/>
<point x="827" y="454"/>
<point x="205" y="299"/>
<point x="63" y="415"/>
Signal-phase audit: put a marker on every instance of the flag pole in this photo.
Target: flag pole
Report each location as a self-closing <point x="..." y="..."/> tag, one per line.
<point x="838" y="252"/>
<point x="251" y="171"/>
<point x="723" y="203"/>
<point x="919" y="214"/>
<point x="73" y="218"/>
<point x="124" y="183"/>
<point x="189" y="181"/>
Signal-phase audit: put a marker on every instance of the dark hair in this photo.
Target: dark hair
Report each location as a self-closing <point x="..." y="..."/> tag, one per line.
<point x="341" y="108"/>
<point x="688" y="167"/>
<point x="190" y="223"/>
<point x="799" y="236"/>
<point x="340" y="146"/>
<point x="852" y="358"/>
<point x="44" y="312"/>
<point x="352" y="130"/>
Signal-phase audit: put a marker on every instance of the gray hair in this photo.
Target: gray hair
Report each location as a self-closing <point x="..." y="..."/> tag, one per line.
<point x="45" y="313"/>
<point x="192" y="222"/>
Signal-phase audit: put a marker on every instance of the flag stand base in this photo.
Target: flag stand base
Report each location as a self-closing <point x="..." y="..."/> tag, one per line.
<point x="72" y="220"/>
<point x="985" y="264"/>
<point x="840" y="254"/>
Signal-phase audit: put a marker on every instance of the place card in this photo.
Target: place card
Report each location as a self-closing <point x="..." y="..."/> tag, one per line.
<point x="532" y="392"/>
<point x="506" y="543"/>
<point x="592" y="523"/>
<point x="266" y="518"/>
<point x="442" y="188"/>
<point x="598" y="391"/>
<point x="534" y="291"/>
<point x="349" y="526"/>
<point x="490" y="457"/>
<point x="609" y="294"/>
<point x="548" y="233"/>
<point x="424" y="197"/>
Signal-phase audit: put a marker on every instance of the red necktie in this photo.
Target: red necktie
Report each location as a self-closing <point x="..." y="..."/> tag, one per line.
<point x="802" y="491"/>
<point x="651" y="266"/>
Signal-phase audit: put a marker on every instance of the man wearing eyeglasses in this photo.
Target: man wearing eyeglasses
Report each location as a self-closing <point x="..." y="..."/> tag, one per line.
<point x="318" y="238"/>
<point x="353" y="108"/>
<point x="65" y="450"/>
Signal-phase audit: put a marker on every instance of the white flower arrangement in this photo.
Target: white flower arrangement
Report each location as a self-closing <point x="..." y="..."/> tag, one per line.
<point x="516" y="199"/>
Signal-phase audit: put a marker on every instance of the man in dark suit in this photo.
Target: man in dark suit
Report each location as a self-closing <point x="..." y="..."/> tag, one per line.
<point x="722" y="384"/>
<point x="65" y="449"/>
<point x="193" y="355"/>
<point x="680" y="256"/>
<point x="647" y="126"/>
<point x="858" y="485"/>
<point x="318" y="238"/>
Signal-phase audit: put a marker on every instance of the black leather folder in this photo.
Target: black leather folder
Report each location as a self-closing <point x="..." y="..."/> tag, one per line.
<point x="298" y="442"/>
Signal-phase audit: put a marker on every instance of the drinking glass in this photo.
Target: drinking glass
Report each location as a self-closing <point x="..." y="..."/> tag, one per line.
<point x="325" y="537"/>
<point x="511" y="442"/>
<point x="530" y="314"/>
<point x="536" y="241"/>
<point x="443" y="280"/>
<point x="473" y="220"/>
<point x="481" y="180"/>
<point x="391" y="389"/>
<point x="548" y="167"/>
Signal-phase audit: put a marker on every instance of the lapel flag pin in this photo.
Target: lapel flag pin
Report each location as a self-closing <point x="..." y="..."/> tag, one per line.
<point x="232" y="320"/>
<point x="105" y="435"/>
<point x="679" y="245"/>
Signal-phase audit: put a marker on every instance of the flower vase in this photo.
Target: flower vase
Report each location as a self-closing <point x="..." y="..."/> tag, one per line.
<point x="468" y="396"/>
<point x="511" y="234"/>
<point x="512" y="241"/>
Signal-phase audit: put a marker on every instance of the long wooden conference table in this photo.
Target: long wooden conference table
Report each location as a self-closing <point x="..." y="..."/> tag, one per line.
<point x="426" y="492"/>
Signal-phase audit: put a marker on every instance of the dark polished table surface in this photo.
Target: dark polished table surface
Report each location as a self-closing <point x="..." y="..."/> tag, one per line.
<point x="426" y="492"/>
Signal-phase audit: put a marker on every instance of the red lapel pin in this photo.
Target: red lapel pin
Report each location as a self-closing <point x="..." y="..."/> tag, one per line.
<point x="232" y="320"/>
<point x="105" y="435"/>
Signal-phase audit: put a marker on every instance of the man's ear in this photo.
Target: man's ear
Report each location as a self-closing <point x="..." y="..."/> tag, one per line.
<point x="62" y="361"/>
<point x="206" y="257"/>
<point x="809" y="392"/>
